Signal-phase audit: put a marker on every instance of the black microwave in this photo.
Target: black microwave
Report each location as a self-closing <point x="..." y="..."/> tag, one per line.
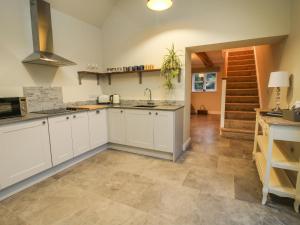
<point x="13" y="107"/>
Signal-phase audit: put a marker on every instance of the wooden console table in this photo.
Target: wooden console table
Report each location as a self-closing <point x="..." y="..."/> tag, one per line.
<point x="273" y="158"/>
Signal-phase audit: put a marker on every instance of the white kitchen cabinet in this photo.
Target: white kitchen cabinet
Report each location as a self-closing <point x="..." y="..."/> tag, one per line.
<point x="80" y="133"/>
<point x="164" y="128"/>
<point x="139" y="128"/>
<point x="98" y="128"/>
<point x="60" y="131"/>
<point x="116" y="127"/>
<point x="24" y="151"/>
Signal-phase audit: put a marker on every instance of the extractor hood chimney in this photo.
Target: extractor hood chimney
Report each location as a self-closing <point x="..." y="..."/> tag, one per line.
<point x="42" y="37"/>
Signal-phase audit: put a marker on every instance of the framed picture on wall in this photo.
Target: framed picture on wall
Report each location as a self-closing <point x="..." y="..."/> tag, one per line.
<point x="204" y="82"/>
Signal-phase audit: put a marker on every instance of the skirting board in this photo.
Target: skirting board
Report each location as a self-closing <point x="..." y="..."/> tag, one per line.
<point x="5" y="193"/>
<point x="186" y="144"/>
<point x="142" y="151"/>
<point x="214" y="112"/>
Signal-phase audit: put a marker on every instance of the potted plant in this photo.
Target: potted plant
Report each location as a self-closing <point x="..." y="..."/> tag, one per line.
<point x="171" y="67"/>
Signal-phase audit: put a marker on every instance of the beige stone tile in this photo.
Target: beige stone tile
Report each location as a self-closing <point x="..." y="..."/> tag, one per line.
<point x="235" y="166"/>
<point x="166" y="171"/>
<point x="123" y="161"/>
<point x="197" y="159"/>
<point x="209" y="181"/>
<point x="9" y="218"/>
<point x="167" y="200"/>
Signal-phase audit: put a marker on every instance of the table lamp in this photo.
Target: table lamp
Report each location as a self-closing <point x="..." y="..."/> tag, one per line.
<point x="278" y="80"/>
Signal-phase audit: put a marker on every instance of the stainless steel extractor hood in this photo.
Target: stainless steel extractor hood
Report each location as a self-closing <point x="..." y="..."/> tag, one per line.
<point x="42" y="37"/>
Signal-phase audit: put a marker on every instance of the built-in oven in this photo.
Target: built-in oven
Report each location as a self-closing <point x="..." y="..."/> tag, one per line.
<point x="13" y="107"/>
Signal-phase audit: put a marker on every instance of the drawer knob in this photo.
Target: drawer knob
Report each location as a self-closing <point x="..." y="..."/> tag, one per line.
<point x="44" y="122"/>
<point x="150" y="113"/>
<point x="97" y="111"/>
<point x="67" y="118"/>
<point x="121" y="111"/>
<point x="74" y="116"/>
<point x="156" y="113"/>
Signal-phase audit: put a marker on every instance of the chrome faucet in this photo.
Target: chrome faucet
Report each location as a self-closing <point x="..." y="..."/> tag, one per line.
<point x="150" y="96"/>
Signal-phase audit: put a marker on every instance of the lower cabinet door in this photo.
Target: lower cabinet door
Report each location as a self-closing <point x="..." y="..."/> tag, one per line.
<point x="98" y="128"/>
<point x="80" y="133"/>
<point x="164" y="131"/>
<point x="139" y="128"/>
<point x="116" y="126"/>
<point x="60" y="130"/>
<point x="24" y="151"/>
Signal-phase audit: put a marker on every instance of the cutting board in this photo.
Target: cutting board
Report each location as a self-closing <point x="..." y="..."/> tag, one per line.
<point x="90" y="107"/>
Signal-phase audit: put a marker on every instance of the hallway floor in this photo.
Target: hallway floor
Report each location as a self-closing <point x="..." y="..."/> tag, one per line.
<point x="213" y="183"/>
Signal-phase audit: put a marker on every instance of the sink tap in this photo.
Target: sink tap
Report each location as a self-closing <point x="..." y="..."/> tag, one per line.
<point x="150" y="95"/>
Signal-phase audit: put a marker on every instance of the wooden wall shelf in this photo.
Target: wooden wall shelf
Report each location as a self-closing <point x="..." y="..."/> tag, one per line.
<point x="81" y="74"/>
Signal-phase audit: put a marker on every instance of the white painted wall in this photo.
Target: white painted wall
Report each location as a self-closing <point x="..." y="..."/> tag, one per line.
<point x="133" y="34"/>
<point x="73" y="39"/>
<point x="288" y="56"/>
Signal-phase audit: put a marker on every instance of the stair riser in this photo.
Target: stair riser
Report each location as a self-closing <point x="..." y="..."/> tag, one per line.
<point x="241" y="62"/>
<point x="235" y="85"/>
<point x="241" y="73"/>
<point x="240" y="116"/>
<point x="242" y="92"/>
<point x="242" y="79"/>
<point x="239" y="68"/>
<point x="244" y="99"/>
<point x="241" y="57"/>
<point x="241" y="107"/>
<point x="235" y="135"/>
<point x="239" y="53"/>
<point x="239" y="124"/>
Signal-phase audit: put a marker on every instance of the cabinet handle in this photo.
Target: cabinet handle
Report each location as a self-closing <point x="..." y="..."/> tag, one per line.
<point x="121" y="111"/>
<point x="97" y="111"/>
<point x="74" y="116"/>
<point x="44" y="122"/>
<point x="150" y="113"/>
<point x="67" y="118"/>
<point x="156" y="113"/>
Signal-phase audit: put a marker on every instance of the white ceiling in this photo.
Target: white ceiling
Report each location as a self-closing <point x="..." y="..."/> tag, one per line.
<point x="90" y="11"/>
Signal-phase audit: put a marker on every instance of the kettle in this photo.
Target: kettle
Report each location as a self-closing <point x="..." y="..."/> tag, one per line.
<point x="115" y="99"/>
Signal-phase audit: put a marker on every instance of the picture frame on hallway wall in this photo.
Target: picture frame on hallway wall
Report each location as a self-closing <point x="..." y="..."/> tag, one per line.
<point x="204" y="82"/>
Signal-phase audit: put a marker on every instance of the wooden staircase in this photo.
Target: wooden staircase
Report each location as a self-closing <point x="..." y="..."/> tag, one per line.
<point x="241" y="95"/>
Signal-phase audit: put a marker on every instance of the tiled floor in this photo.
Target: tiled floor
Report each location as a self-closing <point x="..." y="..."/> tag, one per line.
<point x="215" y="182"/>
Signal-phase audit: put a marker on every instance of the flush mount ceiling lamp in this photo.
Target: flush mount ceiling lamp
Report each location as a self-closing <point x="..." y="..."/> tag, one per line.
<point x="159" y="5"/>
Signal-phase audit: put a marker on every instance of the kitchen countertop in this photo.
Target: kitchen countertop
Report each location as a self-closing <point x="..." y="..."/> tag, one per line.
<point x="35" y="116"/>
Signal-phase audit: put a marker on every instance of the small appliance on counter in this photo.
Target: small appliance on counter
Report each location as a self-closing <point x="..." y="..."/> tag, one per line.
<point x="104" y="99"/>
<point x="13" y="107"/>
<point x="292" y="114"/>
<point x="115" y="99"/>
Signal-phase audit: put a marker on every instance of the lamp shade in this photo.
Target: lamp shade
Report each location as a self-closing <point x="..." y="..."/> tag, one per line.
<point x="279" y="79"/>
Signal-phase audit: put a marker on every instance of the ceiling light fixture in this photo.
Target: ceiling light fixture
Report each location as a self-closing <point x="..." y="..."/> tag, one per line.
<point x="159" y="5"/>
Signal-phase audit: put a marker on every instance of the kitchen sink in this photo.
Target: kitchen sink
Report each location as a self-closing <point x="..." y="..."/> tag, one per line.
<point x="145" y="106"/>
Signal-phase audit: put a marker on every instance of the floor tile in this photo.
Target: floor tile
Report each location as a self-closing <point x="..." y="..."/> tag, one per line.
<point x="211" y="182"/>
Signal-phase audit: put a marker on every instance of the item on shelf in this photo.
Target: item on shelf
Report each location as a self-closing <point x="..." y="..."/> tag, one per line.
<point x="115" y="99"/>
<point x="291" y="115"/>
<point x="273" y="113"/>
<point x="202" y="110"/>
<point x="104" y="99"/>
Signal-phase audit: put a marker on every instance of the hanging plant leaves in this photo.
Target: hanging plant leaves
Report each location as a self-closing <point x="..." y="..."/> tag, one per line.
<point x="171" y="67"/>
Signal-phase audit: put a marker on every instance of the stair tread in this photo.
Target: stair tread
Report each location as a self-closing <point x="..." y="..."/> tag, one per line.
<point x="238" y="130"/>
<point x="242" y="121"/>
<point x="242" y="96"/>
<point x="242" y="76"/>
<point x="241" y="65"/>
<point x="241" y="103"/>
<point x="241" y="112"/>
<point x="242" y="89"/>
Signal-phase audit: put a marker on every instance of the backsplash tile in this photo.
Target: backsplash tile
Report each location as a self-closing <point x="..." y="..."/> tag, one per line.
<point x="43" y="98"/>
